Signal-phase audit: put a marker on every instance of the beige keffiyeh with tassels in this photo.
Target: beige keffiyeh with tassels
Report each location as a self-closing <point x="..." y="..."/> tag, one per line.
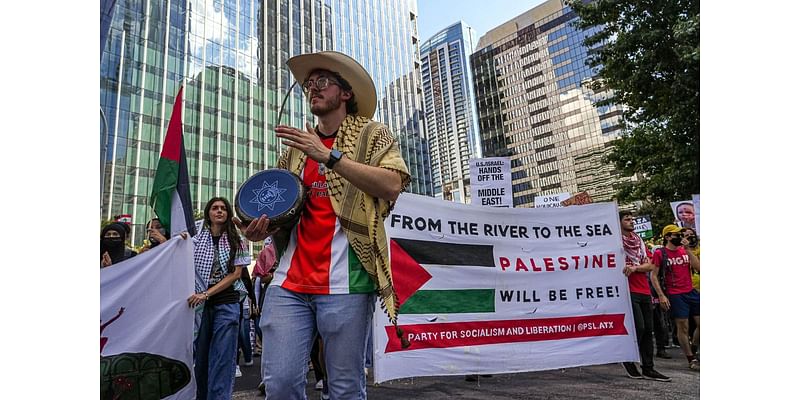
<point x="361" y="215"/>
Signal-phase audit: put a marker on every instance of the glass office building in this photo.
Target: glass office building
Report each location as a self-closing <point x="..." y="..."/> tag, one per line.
<point x="533" y="106"/>
<point x="230" y="56"/>
<point x="450" y="117"/>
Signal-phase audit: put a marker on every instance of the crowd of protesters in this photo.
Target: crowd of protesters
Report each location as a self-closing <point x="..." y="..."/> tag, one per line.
<point x="664" y="283"/>
<point x="354" y="168"/>
<point x="665" y="295"/>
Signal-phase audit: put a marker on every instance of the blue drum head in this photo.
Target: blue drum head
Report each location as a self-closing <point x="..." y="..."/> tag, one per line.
<point x="274" y="192"/>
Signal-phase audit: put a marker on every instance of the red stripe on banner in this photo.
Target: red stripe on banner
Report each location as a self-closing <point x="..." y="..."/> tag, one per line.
<point x="456" y="334"/>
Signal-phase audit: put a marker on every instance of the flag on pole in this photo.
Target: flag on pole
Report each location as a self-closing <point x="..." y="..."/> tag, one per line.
<point x="171" y="199"/>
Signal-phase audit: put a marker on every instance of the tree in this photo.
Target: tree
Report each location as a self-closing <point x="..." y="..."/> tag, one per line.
<point x="648" y="55"/>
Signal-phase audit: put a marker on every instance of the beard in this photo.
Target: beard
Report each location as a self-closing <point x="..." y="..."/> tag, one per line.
<point x="324" y="106"/>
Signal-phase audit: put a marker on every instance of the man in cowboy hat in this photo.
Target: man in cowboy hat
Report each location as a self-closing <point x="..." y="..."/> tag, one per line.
<point x="336" y="258"/>
<point x="673" y="264"/>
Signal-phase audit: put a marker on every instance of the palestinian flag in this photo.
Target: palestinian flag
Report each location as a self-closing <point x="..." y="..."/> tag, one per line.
<point x="171" y="199"/>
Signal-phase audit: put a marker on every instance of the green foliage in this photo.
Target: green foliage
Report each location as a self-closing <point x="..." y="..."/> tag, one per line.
<point x="649" y="56"/>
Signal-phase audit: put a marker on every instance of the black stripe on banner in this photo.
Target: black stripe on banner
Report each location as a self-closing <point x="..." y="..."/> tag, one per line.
<point x="425" y="252"/>
<point x="184" y="192"/>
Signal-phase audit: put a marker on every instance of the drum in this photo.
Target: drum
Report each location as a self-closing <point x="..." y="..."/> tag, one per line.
<point x="277" y="193"/>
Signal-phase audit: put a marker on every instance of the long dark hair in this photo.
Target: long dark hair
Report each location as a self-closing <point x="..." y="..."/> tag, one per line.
<point x="227" y="227"/>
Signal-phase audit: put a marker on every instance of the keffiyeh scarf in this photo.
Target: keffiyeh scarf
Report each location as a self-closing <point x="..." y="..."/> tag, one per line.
<point x="634" y="249"/>
<point x="204" y="260"/>
<point x="361" y="215"/>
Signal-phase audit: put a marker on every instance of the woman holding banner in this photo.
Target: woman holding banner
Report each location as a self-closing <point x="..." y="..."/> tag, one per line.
<point x="219" y="256"/>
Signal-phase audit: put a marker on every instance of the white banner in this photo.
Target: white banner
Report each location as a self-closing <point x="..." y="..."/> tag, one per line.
<point x="490" y="182"/>
<point x="493" y="290"/>
<point x="146" y="324"/>
<point x="696" y="203"/>
<point x="550" y="200"/>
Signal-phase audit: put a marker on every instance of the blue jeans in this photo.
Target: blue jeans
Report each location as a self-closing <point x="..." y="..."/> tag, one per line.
<point x="291" y="321"/>
<point x="244" y="338"/>
<point x="215" y="351"/>
<point x="370" y="347"/>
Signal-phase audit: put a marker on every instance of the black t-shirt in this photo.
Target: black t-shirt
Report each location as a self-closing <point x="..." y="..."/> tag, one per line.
<point x="227" y="295"/>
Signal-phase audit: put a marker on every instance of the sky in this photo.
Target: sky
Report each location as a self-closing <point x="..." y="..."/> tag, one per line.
<point x="481" y="15"/>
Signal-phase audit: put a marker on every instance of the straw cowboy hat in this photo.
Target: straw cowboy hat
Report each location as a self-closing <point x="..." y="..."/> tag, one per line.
<point x="358" y="77"/>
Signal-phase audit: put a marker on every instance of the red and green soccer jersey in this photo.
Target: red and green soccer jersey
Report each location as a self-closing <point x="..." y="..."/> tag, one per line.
<point x="318" y="259"/>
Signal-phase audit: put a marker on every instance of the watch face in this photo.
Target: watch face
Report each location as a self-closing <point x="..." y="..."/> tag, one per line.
<point x="335" y="156"/>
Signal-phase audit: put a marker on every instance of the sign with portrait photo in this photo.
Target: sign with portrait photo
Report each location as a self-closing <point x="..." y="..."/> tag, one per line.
<point x="696" y="201"/>
<point x="684" y="213"/>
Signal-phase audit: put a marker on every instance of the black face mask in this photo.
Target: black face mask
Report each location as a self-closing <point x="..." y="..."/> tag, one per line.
<point x="676" y="241"/>
<point x="113" y="242"/>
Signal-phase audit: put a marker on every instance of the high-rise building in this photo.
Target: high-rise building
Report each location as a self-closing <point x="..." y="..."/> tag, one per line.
<point x="533" y="106"/>
<point x="230" y="56"/>
<point x="450" y="117"/>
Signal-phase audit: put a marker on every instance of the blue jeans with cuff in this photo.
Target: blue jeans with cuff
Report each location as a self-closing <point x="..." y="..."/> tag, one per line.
<point x="215" y="351"/>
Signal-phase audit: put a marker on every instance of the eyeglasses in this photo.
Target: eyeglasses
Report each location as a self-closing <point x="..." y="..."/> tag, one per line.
<point x="320" y="83"/>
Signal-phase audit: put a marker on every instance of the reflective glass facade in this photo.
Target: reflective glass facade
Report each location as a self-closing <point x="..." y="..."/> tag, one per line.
<point x="533" y="107"/>
<point x="450" y="117"/>
<point x="230" y="55"/>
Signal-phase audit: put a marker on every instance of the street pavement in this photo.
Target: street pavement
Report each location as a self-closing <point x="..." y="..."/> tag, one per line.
<point x="592" y="382"/>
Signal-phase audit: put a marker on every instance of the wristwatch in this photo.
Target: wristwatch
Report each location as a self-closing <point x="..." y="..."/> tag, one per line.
<point x="334" y="157"/>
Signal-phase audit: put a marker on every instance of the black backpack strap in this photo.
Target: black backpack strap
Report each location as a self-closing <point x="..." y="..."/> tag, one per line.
<point x="662" y="270"/>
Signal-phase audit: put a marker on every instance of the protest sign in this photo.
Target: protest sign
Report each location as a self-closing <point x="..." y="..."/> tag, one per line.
<point x="146" y="325"/>
<point x="643" y="227"/>
<point x="499" y="290"/>
<point x="550" y="200"/>
<point x="684" y="213"/>
<point x="490" y="182"/>
<point x="577" y="200"/>
<point x="696" y="202"/>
